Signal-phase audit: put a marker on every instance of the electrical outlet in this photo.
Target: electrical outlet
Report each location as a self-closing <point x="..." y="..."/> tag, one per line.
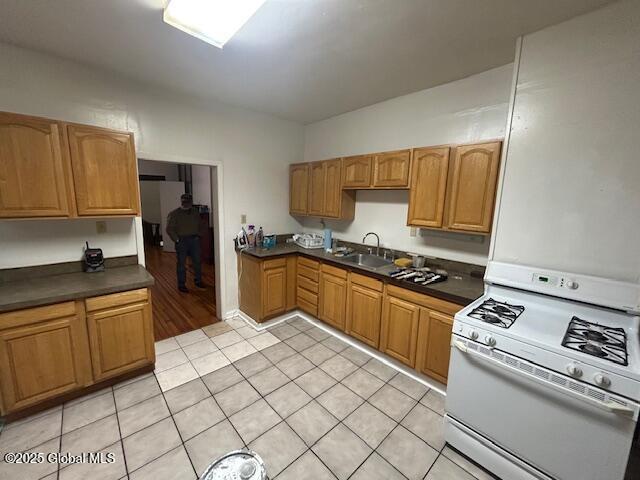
<point x="413" y="232"/>
<point x="243" y="218"/>
<point x="101" y="227"/>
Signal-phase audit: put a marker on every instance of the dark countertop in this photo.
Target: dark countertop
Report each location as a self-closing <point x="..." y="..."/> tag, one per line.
<point x="461" y="287"/>
<point x="47" y="289"/>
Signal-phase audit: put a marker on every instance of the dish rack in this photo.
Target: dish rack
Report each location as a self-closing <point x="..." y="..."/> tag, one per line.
<point x="309" y="240"/>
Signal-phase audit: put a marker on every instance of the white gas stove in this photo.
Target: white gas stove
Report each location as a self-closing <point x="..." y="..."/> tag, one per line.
<point x="544" y="381"/>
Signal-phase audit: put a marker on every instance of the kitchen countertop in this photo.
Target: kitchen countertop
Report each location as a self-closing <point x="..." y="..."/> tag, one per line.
<point x="48" y="289"/>
<point x="460" y="288"/>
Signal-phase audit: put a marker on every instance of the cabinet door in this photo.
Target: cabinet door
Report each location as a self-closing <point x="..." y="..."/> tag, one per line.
<point x="35" y="176"/>
<point x="434" y="344"/>
<point x="428" y="186"/>
<point x="317" y="172"/>
<point x="332" y="301"/>
<point x="44" y="353"/>
<point x="472" y="191"/>
<point x="298" y="189"/>
<point x="364" y="307"/>
<point x="391" y="169"/>
<point x="356" y="171"/>
<point x="121" y="339"/>
<point x="399" y="334"/>
<point x="274" y="291"/>
<point x="332" y="188"/>
<point x="104" y="171"/>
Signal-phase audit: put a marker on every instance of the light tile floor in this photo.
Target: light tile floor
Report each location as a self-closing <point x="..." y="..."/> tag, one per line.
<point x="311" y="405"/>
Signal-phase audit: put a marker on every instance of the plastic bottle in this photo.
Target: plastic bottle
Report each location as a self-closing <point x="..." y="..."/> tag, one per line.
<point x="259" y="238"/>
<point x="327" y="239"/>
<point x="252" y="235"/>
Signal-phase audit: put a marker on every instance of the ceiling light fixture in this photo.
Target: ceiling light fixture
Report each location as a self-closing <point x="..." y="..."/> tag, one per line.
<point x="213" y="21"/>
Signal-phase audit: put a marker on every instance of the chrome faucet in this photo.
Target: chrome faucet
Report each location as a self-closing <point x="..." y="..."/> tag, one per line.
<point x="377" y="238"/>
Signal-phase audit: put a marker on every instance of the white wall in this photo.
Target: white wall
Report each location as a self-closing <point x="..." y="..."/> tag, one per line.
<point x="39" y="242"/>
<point x="467" y="110"/>
<point x="253" y="148"/>
<point x="571" y="191"/>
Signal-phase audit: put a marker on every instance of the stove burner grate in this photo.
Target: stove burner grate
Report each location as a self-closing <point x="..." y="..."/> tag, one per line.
<point x="609" y="343"/>
<point x="497" y="313"/>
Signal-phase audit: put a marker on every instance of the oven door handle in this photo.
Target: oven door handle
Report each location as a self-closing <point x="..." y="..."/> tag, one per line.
<point x="608" y="406"/>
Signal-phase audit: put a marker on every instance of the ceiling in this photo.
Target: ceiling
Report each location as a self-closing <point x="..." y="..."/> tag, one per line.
<point x="303" y="60"/>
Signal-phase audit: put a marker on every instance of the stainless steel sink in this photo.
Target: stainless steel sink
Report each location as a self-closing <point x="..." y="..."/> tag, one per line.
<point x="367" y="260"/>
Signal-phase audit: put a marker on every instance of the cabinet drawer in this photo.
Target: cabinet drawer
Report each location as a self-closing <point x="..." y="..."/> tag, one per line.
<point x="310" y="308"/>
<point x="367" y="282"/>
<point x="116" y="299"/>
<point x="307" y="284"/>
<point x="37" y="314"/>
<point x="275" y="263"/>
<point x="308" y="297"/>
<point x="309" y="273"/>
<point x="335" y="271"/>
<point x="307" y="262"/>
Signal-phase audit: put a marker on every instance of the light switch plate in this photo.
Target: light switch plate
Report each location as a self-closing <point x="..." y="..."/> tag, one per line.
<point x="101" y="227"/>
<point x="413" y="232"/>
<point x="243" y="218"/>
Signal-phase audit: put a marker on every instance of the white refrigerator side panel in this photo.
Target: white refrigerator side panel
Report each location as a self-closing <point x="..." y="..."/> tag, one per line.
<point x="570" y="199"/>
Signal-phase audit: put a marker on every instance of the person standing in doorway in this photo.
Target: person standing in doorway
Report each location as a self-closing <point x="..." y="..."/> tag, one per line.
<point x="183" y="226"/>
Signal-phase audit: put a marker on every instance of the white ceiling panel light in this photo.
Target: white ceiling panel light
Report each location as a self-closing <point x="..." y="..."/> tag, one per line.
<point x="213" y="21"/>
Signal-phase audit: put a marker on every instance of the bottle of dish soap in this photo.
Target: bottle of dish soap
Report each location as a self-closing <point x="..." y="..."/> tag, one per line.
<point x="259" y="238"/>
<point x="251" y="234"/>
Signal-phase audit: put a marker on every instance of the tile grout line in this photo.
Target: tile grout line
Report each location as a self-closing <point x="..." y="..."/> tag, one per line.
<point x="182" y="443"/>
<point x="121" y="440"/>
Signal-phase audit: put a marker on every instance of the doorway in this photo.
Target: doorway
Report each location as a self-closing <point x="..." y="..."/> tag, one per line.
<point x="161" y="185"/>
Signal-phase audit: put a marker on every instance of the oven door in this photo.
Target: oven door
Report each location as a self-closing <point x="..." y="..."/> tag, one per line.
<point x="564" y="428"/>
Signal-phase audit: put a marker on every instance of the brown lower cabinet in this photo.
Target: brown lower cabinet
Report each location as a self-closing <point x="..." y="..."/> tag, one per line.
<point x="44" y="353"/>
<point x="434" y="339"/>
<point x="49" y="351"/>
<point x="120" y="332"/>
<point x="266" y="286"/>
<point x="400" y="320"/>
<point x="364" y="308"/>
<point x="333" y="296"/>
<point x="416" y="330"/>
<point x="410" y="327"/>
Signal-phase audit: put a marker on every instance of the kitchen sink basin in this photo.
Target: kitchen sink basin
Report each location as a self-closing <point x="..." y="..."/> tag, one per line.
<point x="367" y="260"/>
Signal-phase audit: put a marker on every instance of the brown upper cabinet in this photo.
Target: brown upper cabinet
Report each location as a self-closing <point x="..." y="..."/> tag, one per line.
<point x="53" y="169"/>
<point x="35" y="175"/>
<point x="317" y="181"/>
<point x="472" y="189"/>
<point x="357" y="171"/>
<point x="387" y="170"/>
<point x="325" y="197"/>
<point x="454" y="188"/>
<point x="428" y="187"/>
<point x="298" y="188"/>
<point x="391" y="169"/>
<point x="104" y="171"/>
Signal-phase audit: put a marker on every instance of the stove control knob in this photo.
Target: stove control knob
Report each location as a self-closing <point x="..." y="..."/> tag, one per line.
<point x="572" y="285"/>
<point x="574" y="370"/>
<point x="489" y="340"/>
<point x="601" y="380"/>
<point x="473" y="334"/>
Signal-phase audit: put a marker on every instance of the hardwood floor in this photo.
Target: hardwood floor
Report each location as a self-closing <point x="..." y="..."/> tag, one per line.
<point x="175" y="312"/>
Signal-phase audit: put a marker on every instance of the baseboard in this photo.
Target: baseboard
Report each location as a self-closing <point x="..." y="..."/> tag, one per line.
<point x="426" y="381"/>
